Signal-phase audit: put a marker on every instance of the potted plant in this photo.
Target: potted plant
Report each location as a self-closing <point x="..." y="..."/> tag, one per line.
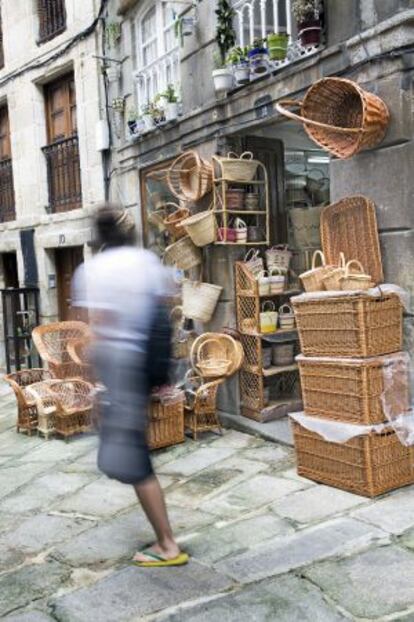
<point x="147" y="116"/>
<point x="277" y="44"/>
<point x="135" y="122"/>
<point x="157" y="114"/>
<point x="226" y="39"/>
<point x="118" y="105"/>
<point x="258" y="56"/>
<point x="113" y="33"/>
<point x="307" y="15"/>
<point x="237" y="57"/>
<point x="171" y="108"/>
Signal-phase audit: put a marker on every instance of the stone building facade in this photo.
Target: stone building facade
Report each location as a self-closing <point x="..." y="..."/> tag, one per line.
<point x="50" y="90"/>
<point x="369" y="41"/>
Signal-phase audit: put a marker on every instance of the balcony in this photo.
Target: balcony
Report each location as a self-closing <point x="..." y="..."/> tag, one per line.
<point x="7" y="201"/>
<point x="256" y="19"/>
<point x="63" y="175"/>
<point x="155" y="78"/>
<point x="52" y="19"/>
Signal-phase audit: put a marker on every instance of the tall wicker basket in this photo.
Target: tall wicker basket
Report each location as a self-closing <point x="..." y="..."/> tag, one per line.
<point x="166" y="420"/>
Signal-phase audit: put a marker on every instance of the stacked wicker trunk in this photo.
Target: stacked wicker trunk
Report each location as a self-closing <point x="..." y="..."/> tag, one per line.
<point x="344" y="341"/>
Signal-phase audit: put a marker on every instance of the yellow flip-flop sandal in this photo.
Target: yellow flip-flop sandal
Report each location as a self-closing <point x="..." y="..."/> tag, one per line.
<point x="157" y="561"/>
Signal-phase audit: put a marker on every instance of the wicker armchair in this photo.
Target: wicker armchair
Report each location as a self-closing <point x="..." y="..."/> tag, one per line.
<point x="201" y="408"/>
<point x="27" y="411"/>
<point x="52" y="342"/>
<point x="74" y="404"/>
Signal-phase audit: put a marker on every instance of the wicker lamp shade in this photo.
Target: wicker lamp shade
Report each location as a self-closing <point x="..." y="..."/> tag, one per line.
<point x="340" y="116"/>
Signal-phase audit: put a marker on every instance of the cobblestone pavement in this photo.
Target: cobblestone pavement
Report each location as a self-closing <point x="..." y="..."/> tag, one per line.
<point x="266" y="545"/>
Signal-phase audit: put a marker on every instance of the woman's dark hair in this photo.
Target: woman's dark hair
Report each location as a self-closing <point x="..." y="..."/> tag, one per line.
<point x="114" y="226"/>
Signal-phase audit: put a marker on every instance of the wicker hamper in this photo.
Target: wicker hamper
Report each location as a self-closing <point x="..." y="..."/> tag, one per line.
<point x="355" y="325"/>
<point x="350" y="390"/>
<point x="367" y="465"/>
<point x="166" y="420"/>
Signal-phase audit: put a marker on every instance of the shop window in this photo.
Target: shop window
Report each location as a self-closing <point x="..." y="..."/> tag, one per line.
<point x="155" y="195"/>
<point x="157" y="52"/>
<point x="52" y="18"/>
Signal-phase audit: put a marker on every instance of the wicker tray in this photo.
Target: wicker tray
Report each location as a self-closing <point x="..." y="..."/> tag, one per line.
<point x="350" y="227"/>
<point x="355" y="326"/>
<point x="348" y="391"/>
<point x="367" y="465"/>
<point x="166" y="422"/>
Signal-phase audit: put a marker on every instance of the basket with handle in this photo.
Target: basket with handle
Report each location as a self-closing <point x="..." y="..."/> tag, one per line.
<point x="355" y="280"/>
<point x="332" y="281"/>
<point x="263" y="282"/>
<point x="233" y="349"/>
<point x="238" y="168"/>
<point x="268" y="317"/>
<point x="241" y="230"/>
<point x="173" y="221"/>
<point x="200" y="300"/>
<point x="313" y="279"/>
<point x="212" y="362"/>
<point x="340" y="116"/>
<point x="277" y="281"/>
<point x="278" y="257"/>
<point x="183" y="254"/>
<point x="201" y="227"/>
<point x="286" y="317"/>
<point x="190" y="177"/>
<point x="253" y="261"/>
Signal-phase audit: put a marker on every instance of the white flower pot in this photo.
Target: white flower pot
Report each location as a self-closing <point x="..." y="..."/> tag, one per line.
<point x="223" y="79"/>
<point x="148" y="121"/>
<point x="163" y="103"/>
<point x="171" y="111"/>
<point x="242" y="74"/>
<point x="113" y="73"/>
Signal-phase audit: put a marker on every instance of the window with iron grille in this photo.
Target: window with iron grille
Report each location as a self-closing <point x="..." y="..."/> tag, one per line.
<point x="7" y="200"/>
<point x="52" y="18"/>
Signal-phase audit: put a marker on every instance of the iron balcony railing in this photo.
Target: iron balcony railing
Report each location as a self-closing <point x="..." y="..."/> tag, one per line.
<point x="63" y="175"/>
<point x="7" y="200"/>
<point x="52" y="18"/>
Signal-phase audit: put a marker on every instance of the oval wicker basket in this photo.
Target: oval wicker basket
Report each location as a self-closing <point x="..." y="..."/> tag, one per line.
<point x="234" y="351"/>
<point x="190" y="177"/>
<point x="213" y="363"/>
<point x="340" y="116"/>
<point x="183" y="254"/>
<point x="352" y="281"/>
<point x="173" y="222"/>
<point x="202" y="228"/>
<point x="238" y="168"/>
<point x="313" y="279"/>
<point x="332" y="281"/>
<point x="200" y="300"/>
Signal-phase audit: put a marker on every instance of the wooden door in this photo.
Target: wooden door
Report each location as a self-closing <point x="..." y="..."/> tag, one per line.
<point x="67" y="260"/>
<point x="5" y="145"/>
<point x="61" y="109"/>
<point x="10" y="273"/>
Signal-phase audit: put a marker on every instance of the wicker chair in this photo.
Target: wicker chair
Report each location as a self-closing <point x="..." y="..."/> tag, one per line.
<point x="201" y="408"/>
<point x="52" y="341"/>
<point x="27" y="411"/>
<point x="78" y="350"/>
<point x="74" y="405"/>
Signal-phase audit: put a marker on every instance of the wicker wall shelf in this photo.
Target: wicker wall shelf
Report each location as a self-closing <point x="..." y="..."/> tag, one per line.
<point x="258" y="217"/>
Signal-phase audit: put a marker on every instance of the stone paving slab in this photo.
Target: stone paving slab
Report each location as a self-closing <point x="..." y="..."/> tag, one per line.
<point x="21" y="587"/>
<point x="29" y="616"/>
<point x="371" y="585"/>
<point x="137" y="592"/>
<point x="287" y="599"/>
<point x="57" y="450"/>
<point x="394" y="513"/>
<point x="218" y="542"/>
<point x="102" y="498"/>
<point x="198" y="460"/>
<point x="338" y="537"/>
<point x="258" y="491"/>
<point x="275" y="456"/>
<point x="43" y="491"/>
<point x="13" y="477"/>
<point x="316" y="504"/>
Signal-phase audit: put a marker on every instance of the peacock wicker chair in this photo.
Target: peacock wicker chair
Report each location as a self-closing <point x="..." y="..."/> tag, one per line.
<point x="74" y="405"/>
<point x="201" y="408"/>
<point x="27" y="411"/>
<point x="52" y="342"/>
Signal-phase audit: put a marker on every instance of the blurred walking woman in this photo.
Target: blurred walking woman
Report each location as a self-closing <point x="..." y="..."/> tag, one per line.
<point x="123" y="288"/>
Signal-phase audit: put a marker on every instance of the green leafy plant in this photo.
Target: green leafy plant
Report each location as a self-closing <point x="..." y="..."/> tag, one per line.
<point x="170" y="94"/>
<point x="132" y="114"/>
<point x="225" y="34"/>
<point x="113" y="33"/>
<point x="237" y="55"/>
<point x="118" y="104"/>
<point x="218" y="61"/>
<point x="305" y="10"/>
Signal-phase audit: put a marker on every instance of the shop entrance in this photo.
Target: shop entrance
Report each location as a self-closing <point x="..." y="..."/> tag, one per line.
<point x="10" y="273"/>
<point x="67" y="260"/>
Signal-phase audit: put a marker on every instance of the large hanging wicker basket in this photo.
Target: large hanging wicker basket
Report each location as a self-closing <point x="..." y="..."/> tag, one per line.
<point x="201" y="227"/>
<point x="173" y="222"/>
<point x="200" y="300"/>
<point x="190" y="177"/>
<point x="183" y="254"/>
<point x="340" y="116"/>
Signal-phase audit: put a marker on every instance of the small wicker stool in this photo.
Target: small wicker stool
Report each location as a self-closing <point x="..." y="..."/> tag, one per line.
<point x="201" y="408"/>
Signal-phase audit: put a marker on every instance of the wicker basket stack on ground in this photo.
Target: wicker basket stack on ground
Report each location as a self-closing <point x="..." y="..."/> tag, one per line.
<point x="166" y="419"/>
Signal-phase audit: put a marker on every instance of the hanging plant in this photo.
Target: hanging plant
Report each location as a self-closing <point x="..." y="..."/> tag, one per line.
<point x="118" y="104"/>
<point x="225" y="33"/>
<point x="113" y="33"/>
